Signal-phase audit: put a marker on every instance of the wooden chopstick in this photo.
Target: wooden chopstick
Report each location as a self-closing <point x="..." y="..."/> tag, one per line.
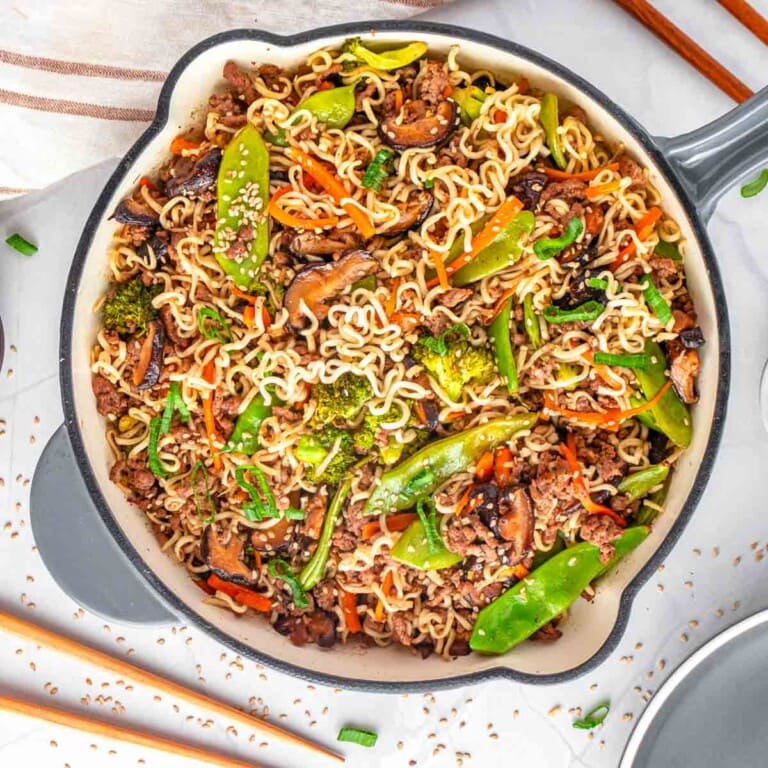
<point x="43" y="636"/>
<point x="694" y="54"/>
<point x="119" y="732"/>
<point x="754" y="21"/>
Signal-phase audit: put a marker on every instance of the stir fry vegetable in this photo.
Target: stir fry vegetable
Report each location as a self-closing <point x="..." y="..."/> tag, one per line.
<point x="241" y="240"/>
<point x="531" y="322"/>
<point x="401" y="486"/>
<point x="128" y="309"/>
<point x="655" y="300"/>
<point x="756" y="186"/>
<point x="245" y="435"/>
<point x="584" y="313"/>
<point x="640" y="360"/>
<point x="500" y="332"/>
<point x="667" y="250"/>
<point x="470" y="101"/>
<point x="393" y="59"/>
<point x="439" y="345"/>
<point x="593" y="718"/>
<point x="378" y="170"/>
<point x="21" y="245"/>
<point x="280" y="569"/>
<point x="639" y="484"/>
<point x="357" y="736"/>
<point x="213" y="326"/>
<point x="548" y="247"/>
<point x="550" y="121"/>
<point x="205" y="505"/>
<point x="670" y="414"/>
<point x="413" y="549"/>
<point x="500" y="253"/>
<point x="545" y="594"/>
<point x="313" y="571"/>
<point x="153" y="459"/>
<point x="262" y="504"/>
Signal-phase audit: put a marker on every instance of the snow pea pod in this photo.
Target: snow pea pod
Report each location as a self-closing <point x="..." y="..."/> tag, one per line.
<point x="426" y="470"/>
<point x="412" y="549"/>
<point x="505" y="355"/>
<point x="648" y="513"/>
<point x="333" y="107"/>
<point x="241" y="240"/>
<point x="545" y="593"/>
<point x="245" y="435"/>
<point x="504" y="251"/>
<point x="392" y="59"/>
<point x="550" y="121"/>
<point x="639" y="483"/>
<point x="670" y="414"/>
<point x="531" y="322"/>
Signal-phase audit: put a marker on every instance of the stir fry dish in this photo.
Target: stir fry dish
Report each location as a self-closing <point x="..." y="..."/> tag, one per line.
<point x="396" y="352"/>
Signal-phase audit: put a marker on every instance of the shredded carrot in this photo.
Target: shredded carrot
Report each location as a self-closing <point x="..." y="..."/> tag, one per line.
<point x="461" y="504"/>
<point x="398" y="100"/>
<point x="568" y="452"/>
<point x="179" y="144"/>
<point x="557" y="174"/>
<point x="447" y="90"/>
<point x="335" y="188"/>
<point x="519" y="571"/>
<point x="500" y="220"/>
<point x="209" y="374"/>
<point x="386" y="587"/>
<point x="326" y="85"/>
<point x="293" y="221"/>
<point x="391" y="303"/>
<point x="348" y="603"/>
<point x="644" y="228"/>
<point x="592" y="193"/>
<point x="145" y="356"/>
<point x="421" y="414"/>
<point x="442" y="275"/>
<point x="408" y="321"/>
<point x="523" y="86"/>
<point x="484" y="467"/>
<point x="502" y="466"/>
<point x="266" y="318"/>
<point x="394" y="523"/>
<point x="249" y="316"/>
<point x="241" y="594"/>
<point x="145" y="181"/>
<point x="242" y="294"/>
<point x="499" y="116"/>
<point x="610" y="419"/>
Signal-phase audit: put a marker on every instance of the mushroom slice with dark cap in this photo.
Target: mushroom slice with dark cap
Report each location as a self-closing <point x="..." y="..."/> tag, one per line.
<point x="324" y="243"/>
<point x="684" y="367"/>
<point x="197" y="177"/>
<point x="135" y="212"/>
<point x="150" y="363"/>
<point x="516" y="520"/>
<point x="318" y="283"/>
<point x="276" y="538"/>
<point x="225" y="561"/>
<point x="413" y="211"/>
<point x="420" y="125"/>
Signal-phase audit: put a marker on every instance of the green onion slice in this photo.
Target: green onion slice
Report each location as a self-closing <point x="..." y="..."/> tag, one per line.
<point x="280" y="569"/>
<point x="623" y="361"/>
<point x="357" y="736"/>
<point x="378" y="170"/>
<point x="754" y="187"/>
<point x="429" y="521"/>
<point x="20" y="244"/>
<point x="429" y="183"/>
<point x="438" y="345"/>
<point x="594" y="718"/>
<point x="597" y="283"/>
<point x="197" y="469"/>
<point x="262" y="503"/>
<point x="655" y="300"/>
<point x="173" y="403"/>
<point x="668" y="251"/>
<point x="217" y="329"/>
<point x="586" y="312"/>
<point x="548" y="247"/>
<point x="157" y="469"/>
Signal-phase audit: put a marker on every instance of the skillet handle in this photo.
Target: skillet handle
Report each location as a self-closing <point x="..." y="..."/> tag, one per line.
<point x="713" y="158"/>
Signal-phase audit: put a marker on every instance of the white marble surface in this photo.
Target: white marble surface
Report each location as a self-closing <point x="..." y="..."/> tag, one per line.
<point x="713" y="577"/>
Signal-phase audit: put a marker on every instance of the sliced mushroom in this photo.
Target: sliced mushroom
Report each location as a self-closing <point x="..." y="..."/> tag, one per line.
<point x="317" y="283"/>
<point x="135" y="212"/>
<point x="692" y="338"/>
<point x="314" y="515"/>
<point x="147" y="371"/>
<point x="412" y="212"/>
<point x="197" y="178"/>
<point x="159" y="248"/>
<point x="419" y="125"/>
<point x="684" y="367"/>
<point x="321" y="626"/>
<point x="276" y="538"/>
<point x="516" y="520"/>
<point x="225" y="561"/>
<point x="324" y="243"/>
<point x="527" y="187"/>
<point x="484" y="500"/>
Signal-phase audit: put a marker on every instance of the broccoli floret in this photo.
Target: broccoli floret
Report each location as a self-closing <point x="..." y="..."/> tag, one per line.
<point x="128" y="308"/>
<point x="460" y="364"/>
<point x="313" y="449"/>
<point x="341" y="401"/>
<point x="365" y="436"/>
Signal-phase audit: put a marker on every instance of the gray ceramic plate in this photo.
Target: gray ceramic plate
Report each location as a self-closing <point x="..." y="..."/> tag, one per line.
<point x="712" y="710"/>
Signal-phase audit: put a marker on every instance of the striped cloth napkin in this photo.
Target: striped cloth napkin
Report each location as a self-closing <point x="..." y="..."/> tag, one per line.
<point x="79" y="81"/>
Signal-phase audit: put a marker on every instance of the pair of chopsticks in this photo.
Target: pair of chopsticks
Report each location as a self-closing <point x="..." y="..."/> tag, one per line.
<point x="694" y="54"/>
<point x="46" y="637"/>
